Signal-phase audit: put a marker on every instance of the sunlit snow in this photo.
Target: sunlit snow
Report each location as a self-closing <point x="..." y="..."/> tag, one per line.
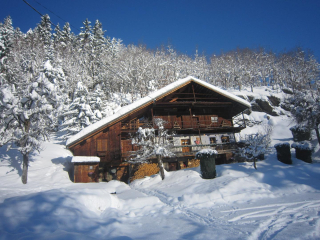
<point x="276" y="201"/>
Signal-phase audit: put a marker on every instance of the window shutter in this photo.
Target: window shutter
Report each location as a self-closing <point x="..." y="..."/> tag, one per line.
<point x="101" y="145"/>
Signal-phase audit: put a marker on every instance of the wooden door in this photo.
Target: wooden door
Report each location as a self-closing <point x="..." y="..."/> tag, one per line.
<point x="185" y="142"/>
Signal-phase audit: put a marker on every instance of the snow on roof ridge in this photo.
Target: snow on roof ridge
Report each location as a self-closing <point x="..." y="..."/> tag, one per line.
<point x="152" y="96"/>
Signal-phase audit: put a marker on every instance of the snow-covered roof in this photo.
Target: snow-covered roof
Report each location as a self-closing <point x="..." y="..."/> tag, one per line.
<point x="147" y="100"/>
<point x="82" y="159"/>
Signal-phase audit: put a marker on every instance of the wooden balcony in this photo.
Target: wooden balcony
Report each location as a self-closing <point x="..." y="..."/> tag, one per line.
<point x="225" y="124"/>
<point x="193" y="149"/>
<point x="180" y="150"/>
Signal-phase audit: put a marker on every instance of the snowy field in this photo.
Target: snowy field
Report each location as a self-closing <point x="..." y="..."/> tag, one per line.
<point x="276" y="201"/>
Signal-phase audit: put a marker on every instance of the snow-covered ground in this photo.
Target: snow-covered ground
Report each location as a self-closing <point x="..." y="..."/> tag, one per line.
<point x="276" y="201"/>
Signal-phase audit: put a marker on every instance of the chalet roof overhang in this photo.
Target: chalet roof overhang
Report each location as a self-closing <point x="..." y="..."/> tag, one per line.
<point x="197" y="94"/>
<point x="203" y="94"/>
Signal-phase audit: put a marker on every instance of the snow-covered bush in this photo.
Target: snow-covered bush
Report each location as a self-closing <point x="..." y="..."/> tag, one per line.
<point x="303" y="151"/>
<point x="305" y="108"/>
<point x="300" y="133"/>
<point x="283" y="152"/>
<point x="256" y="145"/>
<point x="302" y="145"/>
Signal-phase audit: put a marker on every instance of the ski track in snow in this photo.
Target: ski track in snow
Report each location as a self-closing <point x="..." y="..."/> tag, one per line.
<point x="191" y="215"/>
<point x="277" y="217"/>
<point x="177" y="207"/>
<point x="266" y="209"/>
<point x="273" y="218"/>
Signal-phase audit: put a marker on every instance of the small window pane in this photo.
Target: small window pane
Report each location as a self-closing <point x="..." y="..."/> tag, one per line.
<point x="214" y="119"/>
<point x="225" y="139"/>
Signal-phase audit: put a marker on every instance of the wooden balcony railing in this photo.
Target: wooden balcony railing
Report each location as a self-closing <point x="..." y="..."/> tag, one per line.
<point x="180" y="150"/>
<point x="193" y="149"/>
<point x="181" y="125"/>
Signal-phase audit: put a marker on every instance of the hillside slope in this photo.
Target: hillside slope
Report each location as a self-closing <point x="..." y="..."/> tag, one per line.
<point x="276" y="201"/>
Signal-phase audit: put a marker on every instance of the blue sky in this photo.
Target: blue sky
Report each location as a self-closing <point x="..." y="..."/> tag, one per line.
<point x="211" y="27"/>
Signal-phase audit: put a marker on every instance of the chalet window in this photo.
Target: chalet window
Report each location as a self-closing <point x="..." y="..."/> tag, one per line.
<point x="185" y="142"/>
<point x="101" y="145"/>
<point x="213" y="140"/>
<point x="214" y="119"/>
<point x="225" y="139"/>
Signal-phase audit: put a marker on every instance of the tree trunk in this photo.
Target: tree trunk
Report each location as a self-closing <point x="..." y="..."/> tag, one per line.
<point x="24" y="176"/>
<point x="130" y="172"/>
<point x="318" y="134"/>
<point x="255" y="163"/>
<point x="160" y="164"/>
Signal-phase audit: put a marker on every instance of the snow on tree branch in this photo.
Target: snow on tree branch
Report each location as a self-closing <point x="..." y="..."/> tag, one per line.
<point x="152" y="142"/>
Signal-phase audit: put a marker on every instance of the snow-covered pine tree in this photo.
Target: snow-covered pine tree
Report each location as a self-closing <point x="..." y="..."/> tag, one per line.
<point x="57" y="36"/>
<point x="79" y="113"/>
<point x="153" y="142"/>
<point x="85" y="36"/>
<point x="6" y="45"/>
<point x="29" y="104"/>
<point x="97" y="102"/>
<point x="100" y="44"/>
<point x="67" y="36"/>
<point x="27" y="115"/>
<point x="84" y="48"/>
<point x="67" y="57"/>
<point x="31" y="55"/>
<point x="44" y="30"/>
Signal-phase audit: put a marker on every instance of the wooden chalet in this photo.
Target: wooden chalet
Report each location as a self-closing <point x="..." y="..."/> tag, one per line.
<point x="200" y="114"/>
